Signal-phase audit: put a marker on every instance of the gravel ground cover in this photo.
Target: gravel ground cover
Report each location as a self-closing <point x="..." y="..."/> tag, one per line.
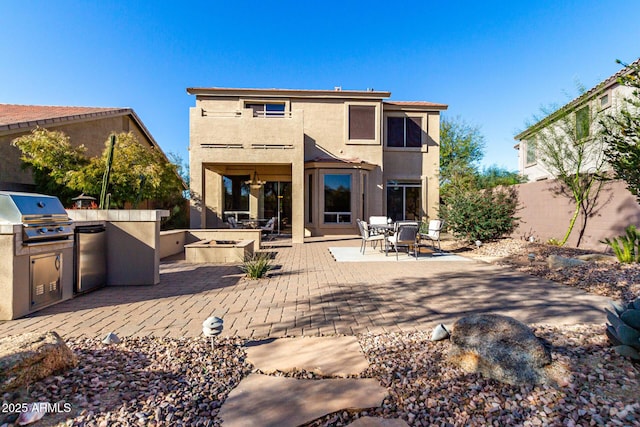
<point x="169" y="382"/>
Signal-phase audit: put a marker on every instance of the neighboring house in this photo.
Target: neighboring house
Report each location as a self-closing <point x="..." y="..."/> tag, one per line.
<point x="315" y="159"/>
<point x="599" y="100"/>
<point x="88" y="126"/>
<point x="545" y="212"/>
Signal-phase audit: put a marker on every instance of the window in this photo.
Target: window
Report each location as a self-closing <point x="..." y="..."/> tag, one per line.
<point x="605" y="101"/>
<point x="266" y="109"/>
<point x="582" y="123"/>
<point x="404" y="132"/>
<point x="337" y="198"/>
<point x="530" y="152"/>
<point x="362" y="122"/>
<point x="236" y="197"/>
<point x="404" y="201"/>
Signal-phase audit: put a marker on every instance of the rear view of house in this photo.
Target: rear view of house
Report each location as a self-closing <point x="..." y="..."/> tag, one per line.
<point x="315" y="159"/>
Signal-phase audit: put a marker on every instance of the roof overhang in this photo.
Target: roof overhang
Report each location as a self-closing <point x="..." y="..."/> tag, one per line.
<point x="336" y="163"/>
<point x="414" y="106"/>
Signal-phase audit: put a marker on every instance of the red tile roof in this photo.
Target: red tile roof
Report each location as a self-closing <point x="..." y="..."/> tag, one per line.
<point x="21" y="116"/>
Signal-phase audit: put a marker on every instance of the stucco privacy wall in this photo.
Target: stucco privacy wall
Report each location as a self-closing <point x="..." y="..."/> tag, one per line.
<point x="546" y="214"/>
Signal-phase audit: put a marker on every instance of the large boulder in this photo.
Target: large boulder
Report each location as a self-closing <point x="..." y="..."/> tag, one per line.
<point x="501" y="348"/>
<point x="30" y="357"/>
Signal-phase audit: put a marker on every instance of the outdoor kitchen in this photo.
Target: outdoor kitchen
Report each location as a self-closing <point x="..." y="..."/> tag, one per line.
<point x="49" y="254"/>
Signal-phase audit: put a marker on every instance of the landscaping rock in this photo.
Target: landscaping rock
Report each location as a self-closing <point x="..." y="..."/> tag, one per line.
<point x="501" y="348"/>
<point x="326" y="356"/>
<point x="597" y="258"/>
<point x="263" y="400"/>
<point x="30" y="357"/>
<point x="439" y="333"/>
<point x="556" y="262"/>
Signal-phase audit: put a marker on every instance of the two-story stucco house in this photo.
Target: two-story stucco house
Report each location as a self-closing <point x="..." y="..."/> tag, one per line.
<point x="315" y="159"/>
<point x="585" y="110"/>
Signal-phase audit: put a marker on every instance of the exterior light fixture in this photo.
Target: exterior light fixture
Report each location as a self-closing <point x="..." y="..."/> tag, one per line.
<point x="255" y="181"/>
<point x="212" y="327"/>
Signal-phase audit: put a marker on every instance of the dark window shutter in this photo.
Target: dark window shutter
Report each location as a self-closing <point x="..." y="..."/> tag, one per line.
<point x="395" y="131"/>
<point x="362" y="122"/>
<point x="414" y="132"/>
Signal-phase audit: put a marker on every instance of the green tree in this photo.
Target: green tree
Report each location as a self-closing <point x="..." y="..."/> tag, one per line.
<point x="53" y="161"/>
<point x="571" y="151"/>
<point x="461" y="148"/>
<point x="486" y="214"/>
<point x="137" y="173"/>
<point x="621" y="133"/>
<point x="494" y="176"/>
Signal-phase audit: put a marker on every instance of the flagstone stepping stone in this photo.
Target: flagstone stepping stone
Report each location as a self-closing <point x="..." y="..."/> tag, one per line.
<point x="328" y="356"/>
<point x="378" y="422"/>
<point x="263" y="400"/>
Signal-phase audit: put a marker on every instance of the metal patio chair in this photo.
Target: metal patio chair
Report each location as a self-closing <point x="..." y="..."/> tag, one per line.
<point x="406" y="235"/>
<point x="367" y="236"/>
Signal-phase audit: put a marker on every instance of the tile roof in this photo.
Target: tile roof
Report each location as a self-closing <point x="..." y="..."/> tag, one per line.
<point x="14" y="116"/>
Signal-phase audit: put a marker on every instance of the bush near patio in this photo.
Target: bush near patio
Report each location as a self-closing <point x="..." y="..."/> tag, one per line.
<point x="484" y="215"/>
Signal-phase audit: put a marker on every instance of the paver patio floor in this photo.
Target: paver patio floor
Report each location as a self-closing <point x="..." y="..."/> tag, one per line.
<point x="310" y="294"/>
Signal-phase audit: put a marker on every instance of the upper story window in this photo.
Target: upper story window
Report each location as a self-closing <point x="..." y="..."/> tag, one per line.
<point x="582" y="123"/>
<point x="404" y="132"/>
<point x="264" y="109"/>
<point x="362" y="122"/>
<point x="531" y="155"/>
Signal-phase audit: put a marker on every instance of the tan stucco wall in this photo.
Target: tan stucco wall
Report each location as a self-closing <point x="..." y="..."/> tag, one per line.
<point x="15" y="273"/>
<point x="546" y="214"/>
<point x="93" y="134"/>
<point x="7" y="266"/>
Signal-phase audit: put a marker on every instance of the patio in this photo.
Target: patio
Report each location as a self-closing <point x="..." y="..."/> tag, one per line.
<point x="309" y="293"/>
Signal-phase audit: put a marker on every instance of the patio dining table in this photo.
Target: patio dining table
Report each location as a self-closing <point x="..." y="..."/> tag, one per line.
<point x="253" y="223"/>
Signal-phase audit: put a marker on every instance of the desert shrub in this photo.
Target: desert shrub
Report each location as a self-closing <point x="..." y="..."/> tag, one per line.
<point x="481" y="214"/>
<point x="257" y="266"/>
<point x="626" y="247"/>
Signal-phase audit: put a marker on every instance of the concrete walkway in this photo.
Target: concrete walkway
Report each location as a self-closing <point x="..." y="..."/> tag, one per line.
<point x="309" y="293"/>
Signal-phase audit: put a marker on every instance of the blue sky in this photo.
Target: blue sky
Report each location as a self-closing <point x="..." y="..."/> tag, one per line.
<point x="495" y="63"/>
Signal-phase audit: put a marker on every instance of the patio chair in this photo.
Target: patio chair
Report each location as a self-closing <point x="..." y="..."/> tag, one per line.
<point x="269" y="228"/>
<point x="367" y="237"/>
<point x="406" y="235"/>
<point x="433" y="233"/>
<point x="232" y="222"/>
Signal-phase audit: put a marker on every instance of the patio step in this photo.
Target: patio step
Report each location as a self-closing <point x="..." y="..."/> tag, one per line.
<point x="266" y="400"/>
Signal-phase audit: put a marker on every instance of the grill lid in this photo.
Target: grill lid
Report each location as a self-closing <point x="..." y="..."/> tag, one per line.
<point x="18" y="208"/>
<point x="43" y="218"/>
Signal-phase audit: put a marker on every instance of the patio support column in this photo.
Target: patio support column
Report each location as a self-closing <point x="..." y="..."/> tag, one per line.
<point x="256" y="208"/>
<point x="297" y="201"/>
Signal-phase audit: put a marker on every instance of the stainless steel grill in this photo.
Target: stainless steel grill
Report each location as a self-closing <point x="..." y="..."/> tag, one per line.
<point x="43" y="218"/>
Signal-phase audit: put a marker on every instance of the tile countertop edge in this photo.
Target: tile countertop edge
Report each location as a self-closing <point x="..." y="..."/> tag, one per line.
<point x="114" y="215"/>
